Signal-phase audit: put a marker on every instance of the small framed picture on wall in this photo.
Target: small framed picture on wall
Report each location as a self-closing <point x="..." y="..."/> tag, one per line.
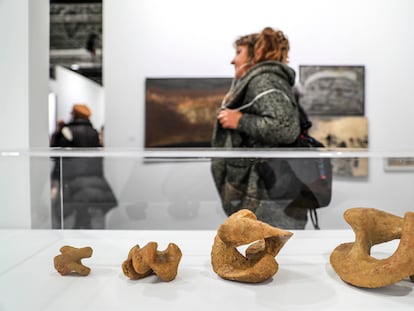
<point x="403" y="164"/>
<point x="332" y="90"/>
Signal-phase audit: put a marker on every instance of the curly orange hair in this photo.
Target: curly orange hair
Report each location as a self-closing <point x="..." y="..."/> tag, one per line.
<point x="270" y="44"/>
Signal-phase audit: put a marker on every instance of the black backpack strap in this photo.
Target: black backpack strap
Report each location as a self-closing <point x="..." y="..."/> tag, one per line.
<point x="314" y="218"/>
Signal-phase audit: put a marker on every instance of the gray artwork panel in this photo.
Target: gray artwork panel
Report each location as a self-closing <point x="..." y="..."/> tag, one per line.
<point x="332" y="90"/>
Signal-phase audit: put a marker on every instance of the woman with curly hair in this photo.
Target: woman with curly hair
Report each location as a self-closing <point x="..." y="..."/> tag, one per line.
<point x="259" y="111"/>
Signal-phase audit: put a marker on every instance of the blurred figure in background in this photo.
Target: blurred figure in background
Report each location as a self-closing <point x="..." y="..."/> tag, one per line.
<point x="85" y="196"/>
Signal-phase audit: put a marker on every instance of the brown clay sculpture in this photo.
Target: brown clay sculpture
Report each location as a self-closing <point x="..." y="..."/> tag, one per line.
<point x="70" y="260"/>
<point x="353" y="262"/>
<point x="142" y="262"/>
<point x="264" y="243"/>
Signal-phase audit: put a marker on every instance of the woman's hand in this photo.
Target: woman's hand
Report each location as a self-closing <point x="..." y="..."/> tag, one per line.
<point x="229" y="119"/>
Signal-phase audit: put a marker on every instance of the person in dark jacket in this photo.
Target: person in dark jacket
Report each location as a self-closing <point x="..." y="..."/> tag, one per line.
<point x="259" y="111"/>
<point x="87" y="196"/>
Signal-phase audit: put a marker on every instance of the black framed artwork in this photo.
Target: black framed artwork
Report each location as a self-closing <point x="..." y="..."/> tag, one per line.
<point x="332" y="90"/>
<point x="181" y="112"/>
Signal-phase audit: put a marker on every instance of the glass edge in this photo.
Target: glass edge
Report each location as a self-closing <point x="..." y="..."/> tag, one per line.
<point x="198" y="153"/>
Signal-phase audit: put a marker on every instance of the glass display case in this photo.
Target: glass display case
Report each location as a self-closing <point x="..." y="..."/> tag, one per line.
<point x="174" y="188"/>
<point x="169" y="195"/>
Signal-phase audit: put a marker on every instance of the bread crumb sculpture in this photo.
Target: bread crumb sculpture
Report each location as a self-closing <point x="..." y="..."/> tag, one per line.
<point x="264" y="243"/>
<point x="142" y="262"/>
<point x="70" y="260"/>
<point x="352" y="261"/>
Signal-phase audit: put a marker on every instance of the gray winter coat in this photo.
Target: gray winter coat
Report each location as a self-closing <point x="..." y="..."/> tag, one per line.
<point x="270" y="119"/>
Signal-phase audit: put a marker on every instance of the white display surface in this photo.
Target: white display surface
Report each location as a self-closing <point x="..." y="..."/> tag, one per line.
<point x="305" y="280"/>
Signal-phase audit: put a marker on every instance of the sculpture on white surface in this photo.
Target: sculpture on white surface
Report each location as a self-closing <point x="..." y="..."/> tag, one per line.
<point x="69" y="261"/>
<point x="259" y="263"/>
<point x="353" y="262"/>
<point x="142" y="262"/>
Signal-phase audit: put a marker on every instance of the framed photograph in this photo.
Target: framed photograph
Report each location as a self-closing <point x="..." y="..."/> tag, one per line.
<point x="181" y="112"/>
<point x="343" y="132"/>
<point x="399" y="164"/>
<point x="332" y="90"/>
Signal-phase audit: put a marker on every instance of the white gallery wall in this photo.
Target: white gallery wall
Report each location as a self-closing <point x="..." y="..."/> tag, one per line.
<point x="24" y="46"/>
<point x="184" y="38"/>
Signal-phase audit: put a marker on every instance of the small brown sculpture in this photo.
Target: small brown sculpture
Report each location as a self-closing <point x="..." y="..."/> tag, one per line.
<point x="258" y="264"/>
<point x="70" y="260"/>
<point x="352" y="261"/>
<point x="142" y="262"/>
